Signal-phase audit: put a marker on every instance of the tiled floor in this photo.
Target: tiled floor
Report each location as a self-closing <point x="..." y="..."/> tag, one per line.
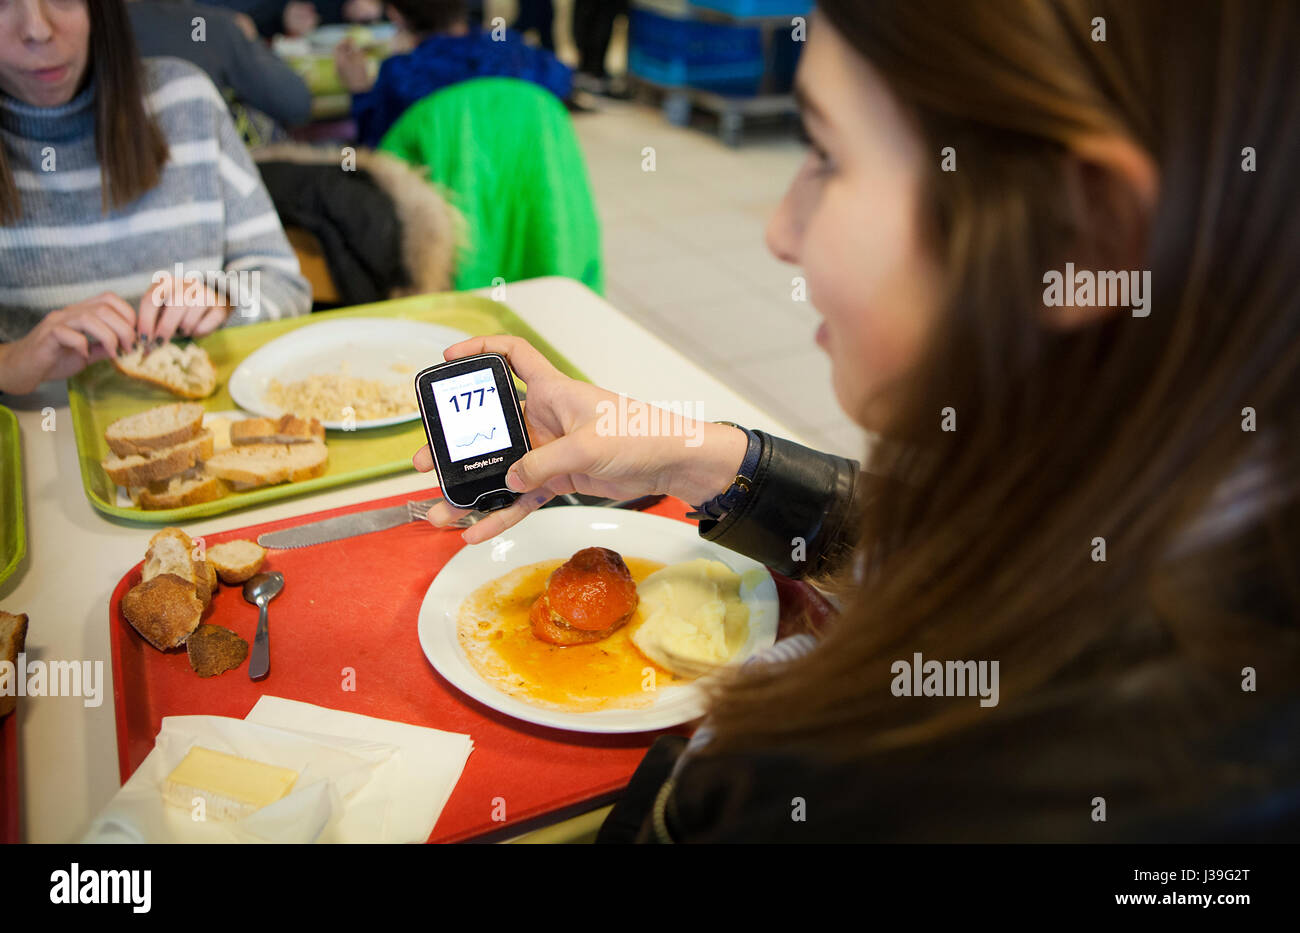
<point x="685" y="256"/>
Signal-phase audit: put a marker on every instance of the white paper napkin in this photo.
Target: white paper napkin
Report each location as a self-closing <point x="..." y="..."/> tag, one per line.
<point x="416" y="782"/>
<point x="323" y="804"/>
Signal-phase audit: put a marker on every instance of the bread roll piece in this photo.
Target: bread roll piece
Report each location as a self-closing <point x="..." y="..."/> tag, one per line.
<point x="13" y="636"/>
<point x="138" y="470"/>
<point x="266" y="464"/>
<point x="214" y="649"/>
<point x="210" y="572"/>
<point x="172" y="551"/>
<point x="193" y="486"/>
<point x="157" y="429"/>
<point x="287" y="429"/>
<point x="184" y="371"/>
<point x="236" y="561"/>
<point x="164" y="610"/>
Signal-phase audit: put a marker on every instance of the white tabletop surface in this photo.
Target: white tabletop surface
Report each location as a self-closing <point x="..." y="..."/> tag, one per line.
<point x="75" y="555"/>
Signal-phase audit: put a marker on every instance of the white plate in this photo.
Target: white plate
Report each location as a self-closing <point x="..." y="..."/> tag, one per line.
<point x="371" y="346"/>
<point x="558" y="532"/>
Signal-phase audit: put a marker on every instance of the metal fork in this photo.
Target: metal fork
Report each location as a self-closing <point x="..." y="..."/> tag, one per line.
<point x="418" y="510"/>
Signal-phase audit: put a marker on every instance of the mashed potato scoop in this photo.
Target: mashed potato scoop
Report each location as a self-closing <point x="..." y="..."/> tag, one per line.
<point x="694" y="617"/>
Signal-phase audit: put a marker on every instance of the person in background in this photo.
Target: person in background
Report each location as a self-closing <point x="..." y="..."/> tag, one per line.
<point x="593" y="25"/>
<point x="538" y="15"/>
<point x="444" y="51"/>
<point x="300" y="17"/>
<point x="112" y="171"/>
<point x="232" y="57"/>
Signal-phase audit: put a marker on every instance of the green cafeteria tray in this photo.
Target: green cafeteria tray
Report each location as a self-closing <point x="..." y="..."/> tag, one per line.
<point x="99" y="395"/>
<point x="13" y="536"/>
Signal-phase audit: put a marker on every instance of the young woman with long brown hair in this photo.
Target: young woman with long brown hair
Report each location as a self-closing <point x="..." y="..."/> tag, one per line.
<point x="1098" y="495"/>
<point x="112" y="171"/>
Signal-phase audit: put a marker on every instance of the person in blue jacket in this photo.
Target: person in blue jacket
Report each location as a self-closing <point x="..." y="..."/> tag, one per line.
<point x="444" y="50"/>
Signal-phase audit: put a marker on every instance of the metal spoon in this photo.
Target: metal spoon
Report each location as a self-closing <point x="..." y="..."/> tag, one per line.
<point x="260" y="590"/>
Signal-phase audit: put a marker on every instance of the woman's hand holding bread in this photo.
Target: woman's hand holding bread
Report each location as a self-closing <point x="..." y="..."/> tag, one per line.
<point x="66" y="341"/>
<point x="165" y="311"/>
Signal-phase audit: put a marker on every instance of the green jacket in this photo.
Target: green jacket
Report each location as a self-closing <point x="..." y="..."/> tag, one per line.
<point x="505" y="153"/>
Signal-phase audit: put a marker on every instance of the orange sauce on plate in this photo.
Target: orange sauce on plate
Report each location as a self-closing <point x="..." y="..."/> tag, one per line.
<point x="494" y="632"/>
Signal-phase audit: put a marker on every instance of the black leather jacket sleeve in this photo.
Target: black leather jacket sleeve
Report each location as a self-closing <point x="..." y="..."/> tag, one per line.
<point x="800" y="518"/>
<point x="1015" y="777"/>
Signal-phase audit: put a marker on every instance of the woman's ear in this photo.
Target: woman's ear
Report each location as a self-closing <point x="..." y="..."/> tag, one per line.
<point x="1112" y="185"/>
<point x="1125" y="158"/>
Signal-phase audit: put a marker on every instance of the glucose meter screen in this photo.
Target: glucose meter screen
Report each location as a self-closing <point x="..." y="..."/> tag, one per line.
<point x="473" y="421"/>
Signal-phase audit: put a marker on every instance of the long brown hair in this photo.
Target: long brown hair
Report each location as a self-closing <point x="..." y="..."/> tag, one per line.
<point x="982" y="542"/>
<point x="132" y="149"/>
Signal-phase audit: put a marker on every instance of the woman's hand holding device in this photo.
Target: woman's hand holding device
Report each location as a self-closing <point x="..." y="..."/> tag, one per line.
<point x="572" y="449"/>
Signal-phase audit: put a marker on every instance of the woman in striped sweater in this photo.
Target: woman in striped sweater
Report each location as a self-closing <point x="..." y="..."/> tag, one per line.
<point x="115" y="175"/>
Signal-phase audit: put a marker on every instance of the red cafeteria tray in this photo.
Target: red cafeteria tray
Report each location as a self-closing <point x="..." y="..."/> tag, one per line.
<point x="354" y="604"/>
<point x="9" y="818"/>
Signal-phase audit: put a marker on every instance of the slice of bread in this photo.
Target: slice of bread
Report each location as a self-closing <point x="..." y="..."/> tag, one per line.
<point x="287" y="429"/>
<point x="13" y="636"/>
<point x="156" y="429"/>
<point x="164" y="610"/>
<point x="171" y="551"/>
<point x="138" y="470"/>
<point x="236" y="561"/>
<point x="193" y="486"/>
<point x="266" y="464"/>
<point x="184" y="371"/>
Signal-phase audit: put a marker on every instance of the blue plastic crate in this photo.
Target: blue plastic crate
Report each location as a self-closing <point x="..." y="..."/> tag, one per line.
<point x="741" y="79"/>
<point x="693" y="43"/>
<point x="757" y="7"/>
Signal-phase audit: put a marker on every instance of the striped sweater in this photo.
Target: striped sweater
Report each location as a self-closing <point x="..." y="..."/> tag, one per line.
<point x="210" y="212"/>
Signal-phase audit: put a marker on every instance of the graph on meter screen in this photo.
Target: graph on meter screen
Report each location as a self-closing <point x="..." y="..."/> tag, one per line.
<point x="473" y="421"/>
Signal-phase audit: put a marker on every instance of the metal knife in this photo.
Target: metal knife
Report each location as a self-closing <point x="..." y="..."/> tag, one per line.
<point x="371" y="520"/>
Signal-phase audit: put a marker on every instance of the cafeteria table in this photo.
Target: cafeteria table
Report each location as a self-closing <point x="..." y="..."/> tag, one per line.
<point x="75" y="555"/>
